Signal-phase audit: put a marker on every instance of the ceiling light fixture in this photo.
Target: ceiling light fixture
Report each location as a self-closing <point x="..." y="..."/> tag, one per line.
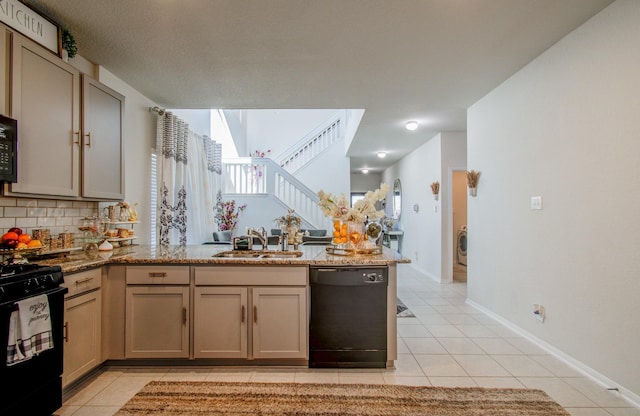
<point x="365" y="171"/>
<point x="411" y="125"/>
<point x="382" y="155"/>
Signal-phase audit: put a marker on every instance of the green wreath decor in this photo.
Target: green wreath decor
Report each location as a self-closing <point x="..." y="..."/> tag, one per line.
<point x="69" y="43"/>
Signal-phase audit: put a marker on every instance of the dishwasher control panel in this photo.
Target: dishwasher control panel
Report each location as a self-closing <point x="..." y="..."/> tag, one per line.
<point x="372" y="277"/>
<point x="348" y="276"/>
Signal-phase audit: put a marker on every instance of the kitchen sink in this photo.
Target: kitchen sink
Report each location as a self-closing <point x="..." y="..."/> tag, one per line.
<point x="237" y="254"/>
<point x="254" y="254"/>
<point x="282" y="254"/>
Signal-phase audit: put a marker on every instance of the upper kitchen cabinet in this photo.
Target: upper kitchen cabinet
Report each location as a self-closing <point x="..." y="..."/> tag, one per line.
<point x="102" y="152"/>
<point x="70" y="129"/>
<point x="45" y="101"/>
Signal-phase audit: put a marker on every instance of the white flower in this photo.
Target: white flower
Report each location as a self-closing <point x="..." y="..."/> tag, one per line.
<point x="336" y="206"/>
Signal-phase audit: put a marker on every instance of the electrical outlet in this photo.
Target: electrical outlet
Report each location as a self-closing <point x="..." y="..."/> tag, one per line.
<point x="416" y="256"/>
<point x="536" y="202"/>
<point x="538" y="312"/>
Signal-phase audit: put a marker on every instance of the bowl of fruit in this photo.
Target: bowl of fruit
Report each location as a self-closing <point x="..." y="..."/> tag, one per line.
<point x="15" y="240"/>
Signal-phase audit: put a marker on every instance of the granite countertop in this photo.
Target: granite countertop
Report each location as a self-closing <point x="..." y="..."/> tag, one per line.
<point x="203" y="255"/>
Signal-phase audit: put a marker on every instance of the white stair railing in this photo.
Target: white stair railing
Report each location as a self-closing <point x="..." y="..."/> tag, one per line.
<point x="264" y="176"/>
<point x="314" y="143"/>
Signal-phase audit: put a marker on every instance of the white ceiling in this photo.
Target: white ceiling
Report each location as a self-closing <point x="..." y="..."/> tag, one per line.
<point x="425" y="60"/>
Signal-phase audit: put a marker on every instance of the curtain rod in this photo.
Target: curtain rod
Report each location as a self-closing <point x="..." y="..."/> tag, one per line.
<point x="157" y="110"/>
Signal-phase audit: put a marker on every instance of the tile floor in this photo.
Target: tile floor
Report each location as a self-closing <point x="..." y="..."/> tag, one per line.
<point x="448" y="343"/>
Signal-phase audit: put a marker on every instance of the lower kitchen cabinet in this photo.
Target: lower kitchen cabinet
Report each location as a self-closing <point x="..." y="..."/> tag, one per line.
<point x="220" y="322"/>
<point x="157" y="312"/>
<point x="157" y="322"/>
<point x="279" y="318"/>
<point x="248" y="321"/>
<point x="82" y="324"/>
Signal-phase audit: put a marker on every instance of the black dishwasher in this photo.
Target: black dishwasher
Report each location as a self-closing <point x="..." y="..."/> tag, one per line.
<point x="348" y="325"/>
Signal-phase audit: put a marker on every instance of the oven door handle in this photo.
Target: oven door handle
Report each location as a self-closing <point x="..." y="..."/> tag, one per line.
<point x="13" y="303"/>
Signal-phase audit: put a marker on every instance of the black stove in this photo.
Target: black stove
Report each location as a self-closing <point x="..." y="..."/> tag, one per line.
<point x="35" y="386"/>
<point x="19" y="281"/>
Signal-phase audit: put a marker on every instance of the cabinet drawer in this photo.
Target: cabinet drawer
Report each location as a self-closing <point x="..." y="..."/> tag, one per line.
<point x="158" y="275"/>
<point x="251" y="276"/>
<point x="82" y="282"/>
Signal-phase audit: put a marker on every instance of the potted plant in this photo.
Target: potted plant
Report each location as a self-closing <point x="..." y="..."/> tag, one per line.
<point x="69" y="47"/>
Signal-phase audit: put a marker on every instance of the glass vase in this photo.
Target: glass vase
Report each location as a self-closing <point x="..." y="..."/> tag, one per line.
<point x="356" y="233"/>
<point x="340" y="233"/>
<point x="374" y="233"/>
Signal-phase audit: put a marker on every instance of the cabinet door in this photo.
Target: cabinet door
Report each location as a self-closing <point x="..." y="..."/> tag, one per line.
<point x="102" y="140"/>
<point x="279" y="322"/>
<point x="157" y="322"/>
<point x="82" y="322"/>
<point x="45" y="96"/>
<point x="220" y="322"/>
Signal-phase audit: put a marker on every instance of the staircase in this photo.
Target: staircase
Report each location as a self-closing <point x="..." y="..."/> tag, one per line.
<point x="264" y="177"/>
<point x="305" y="150"/>
<point x="256" y="180"/>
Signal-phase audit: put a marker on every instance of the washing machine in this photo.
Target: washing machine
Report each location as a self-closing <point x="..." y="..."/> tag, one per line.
<point x="461" y="252"/>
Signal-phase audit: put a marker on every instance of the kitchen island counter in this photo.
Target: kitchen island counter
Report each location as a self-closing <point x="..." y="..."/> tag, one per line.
<point x="204" y="254"/>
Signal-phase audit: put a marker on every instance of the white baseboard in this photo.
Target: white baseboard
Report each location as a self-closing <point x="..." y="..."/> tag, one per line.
<point x="606" y="382"/>
<point x="426" y="273"/>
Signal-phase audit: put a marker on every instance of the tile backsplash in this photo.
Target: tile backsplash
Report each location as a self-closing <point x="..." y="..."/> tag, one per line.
<point x="57" y="215"/>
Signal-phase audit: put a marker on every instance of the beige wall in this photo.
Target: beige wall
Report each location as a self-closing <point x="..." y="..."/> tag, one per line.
<point x="139" y="136"/>
<point x="566" y="128"/>
<point x="428" y="235"/>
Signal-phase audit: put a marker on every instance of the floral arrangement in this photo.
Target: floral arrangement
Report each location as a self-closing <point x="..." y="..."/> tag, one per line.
<point x="364" y="209"/>
<point x="435" y="187"/>
<point x="288" y="220"/>
<point x="257" y="169"/>
<point x="226" y="213"/>
<point x="259" y="153"/>
<point x="472" y="178"/>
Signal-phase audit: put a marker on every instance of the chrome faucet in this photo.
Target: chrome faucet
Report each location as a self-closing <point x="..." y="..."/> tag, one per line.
<point x="261" y="234"/>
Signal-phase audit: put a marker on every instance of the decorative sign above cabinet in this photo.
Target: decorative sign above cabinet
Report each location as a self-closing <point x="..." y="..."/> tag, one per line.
<point x="31" y="24"/>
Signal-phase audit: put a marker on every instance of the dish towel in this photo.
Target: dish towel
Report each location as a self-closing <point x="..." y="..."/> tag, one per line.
<point x="29" y="330"/>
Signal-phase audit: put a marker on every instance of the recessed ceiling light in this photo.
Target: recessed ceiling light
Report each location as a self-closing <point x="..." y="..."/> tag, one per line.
<point x="365" y="171"/>
<point x="381" y="155"/>
<point x="411" y="125"/>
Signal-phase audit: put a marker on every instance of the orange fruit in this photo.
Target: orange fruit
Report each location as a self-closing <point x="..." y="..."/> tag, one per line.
<point x="34" y="244"/>
<point x="9" y="236"/>
<point x="24" y="238"/>
<point x="20" y="246"/>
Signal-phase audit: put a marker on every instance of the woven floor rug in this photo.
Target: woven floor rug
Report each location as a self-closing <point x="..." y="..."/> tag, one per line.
<point x="222" y="398"/>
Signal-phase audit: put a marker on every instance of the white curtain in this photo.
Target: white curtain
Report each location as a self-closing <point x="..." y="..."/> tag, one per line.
<point x="188" y="178"/>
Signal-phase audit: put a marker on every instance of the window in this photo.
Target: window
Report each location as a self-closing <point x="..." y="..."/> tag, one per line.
<point x="356" y="196"/>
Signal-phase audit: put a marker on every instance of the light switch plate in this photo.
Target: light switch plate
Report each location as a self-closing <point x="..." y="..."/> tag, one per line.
<point x="536" y="202"/>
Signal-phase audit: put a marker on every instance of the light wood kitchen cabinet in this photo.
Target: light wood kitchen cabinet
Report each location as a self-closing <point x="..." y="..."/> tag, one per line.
<point x="82" y="324"/>
<point x="279" y="322"/>
<point x="102" y="130"/>
<point x="157" y="312"/>
<point x="46" y="102"/>
<point x="70" y="128"/>
<point x="264" y="316"/>
<point x="220" y="319"/>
